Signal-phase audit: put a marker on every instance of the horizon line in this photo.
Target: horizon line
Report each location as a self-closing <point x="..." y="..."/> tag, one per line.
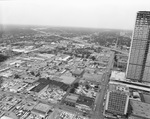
<point x="82" y="27"/>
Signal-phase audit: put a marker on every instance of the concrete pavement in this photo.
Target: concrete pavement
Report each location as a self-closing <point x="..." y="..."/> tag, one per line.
<point x="98" y="113"/>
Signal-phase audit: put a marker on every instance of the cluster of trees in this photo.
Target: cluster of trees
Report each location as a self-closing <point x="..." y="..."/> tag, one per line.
<point x="1" y="81"/>
<point x="109" y="38"/>
<point x="3" y="57"/>
<point x="124" y="41"/>
<point x="75" y="85"/>
<point x="35" y="74"/>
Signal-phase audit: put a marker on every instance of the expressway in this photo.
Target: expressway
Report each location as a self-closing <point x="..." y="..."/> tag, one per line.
<point x="83" y="42"/>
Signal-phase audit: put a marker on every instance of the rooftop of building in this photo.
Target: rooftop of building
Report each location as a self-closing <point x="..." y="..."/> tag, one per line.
<point x="118" y="88"/>
<point x="85" y="100"/>
<point x="6" y="117"/>
<point x="146" y="98"/>
<point x="77" y="71"/>
<point x="117" y="103"/>
<point x="118" y="75"/>
<point x="67" y="79"/>
<point x="45" y="55"/>
<point x="72" y="97"/>
<point x="140" y="109"/>
<point x="41" y="107"/>
<point x="92" y="76"/>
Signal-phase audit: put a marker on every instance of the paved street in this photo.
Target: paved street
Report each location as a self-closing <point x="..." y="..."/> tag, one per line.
<point x="98" y="113"/>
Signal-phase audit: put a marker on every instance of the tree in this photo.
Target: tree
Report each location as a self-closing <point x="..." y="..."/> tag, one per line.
<point x="38" y="74"/>
<point x="1" y="81"/>
<point x="87" y="86"/>
<point x="32" y="72"/>
<point x="93" y="58"/>
<point x="16" y="76"/>
<point x="96" y="86"/>
<point x="3" y="57"/>
<point x="76" y="85"/>
<point x="72" y="90"/>
<point x="115" y="58"/>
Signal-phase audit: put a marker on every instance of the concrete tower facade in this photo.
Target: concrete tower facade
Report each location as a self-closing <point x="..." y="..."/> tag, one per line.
<point x="138" y="68"/>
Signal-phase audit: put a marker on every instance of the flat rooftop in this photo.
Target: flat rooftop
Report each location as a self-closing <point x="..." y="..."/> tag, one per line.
<point x="5" y="117"/>
<point x="117" y="75"/>
<point x="146" y="98"/>
<point x="92" y="77"/>
<point x="72" y="97"/>
<point x="43" y="108"/>
<point x="67" y="79"/>
<point x="140" y="109"/>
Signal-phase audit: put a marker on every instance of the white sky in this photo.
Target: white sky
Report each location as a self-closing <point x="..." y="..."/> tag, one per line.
<point x="118" y="14"/>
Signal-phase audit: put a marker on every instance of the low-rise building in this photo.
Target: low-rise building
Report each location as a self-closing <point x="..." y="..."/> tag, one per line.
<point x="41" y="109"/>
<point x="139" y="110"/>
<point x="117" y="100"/>
<point x="117" y="75"/>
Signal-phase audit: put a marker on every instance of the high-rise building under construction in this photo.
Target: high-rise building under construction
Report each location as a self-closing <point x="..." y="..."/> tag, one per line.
<point x="138" y="68"/>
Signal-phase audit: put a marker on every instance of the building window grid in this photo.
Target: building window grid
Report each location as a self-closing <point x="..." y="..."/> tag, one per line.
<point x="141" y="33"/>
<point x="117" y="104"/>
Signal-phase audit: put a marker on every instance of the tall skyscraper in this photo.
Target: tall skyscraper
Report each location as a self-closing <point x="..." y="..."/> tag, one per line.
<point x="138" y="68"/>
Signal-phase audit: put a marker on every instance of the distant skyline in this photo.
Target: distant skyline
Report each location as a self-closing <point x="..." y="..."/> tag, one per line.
<point x="113" y="14"/>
